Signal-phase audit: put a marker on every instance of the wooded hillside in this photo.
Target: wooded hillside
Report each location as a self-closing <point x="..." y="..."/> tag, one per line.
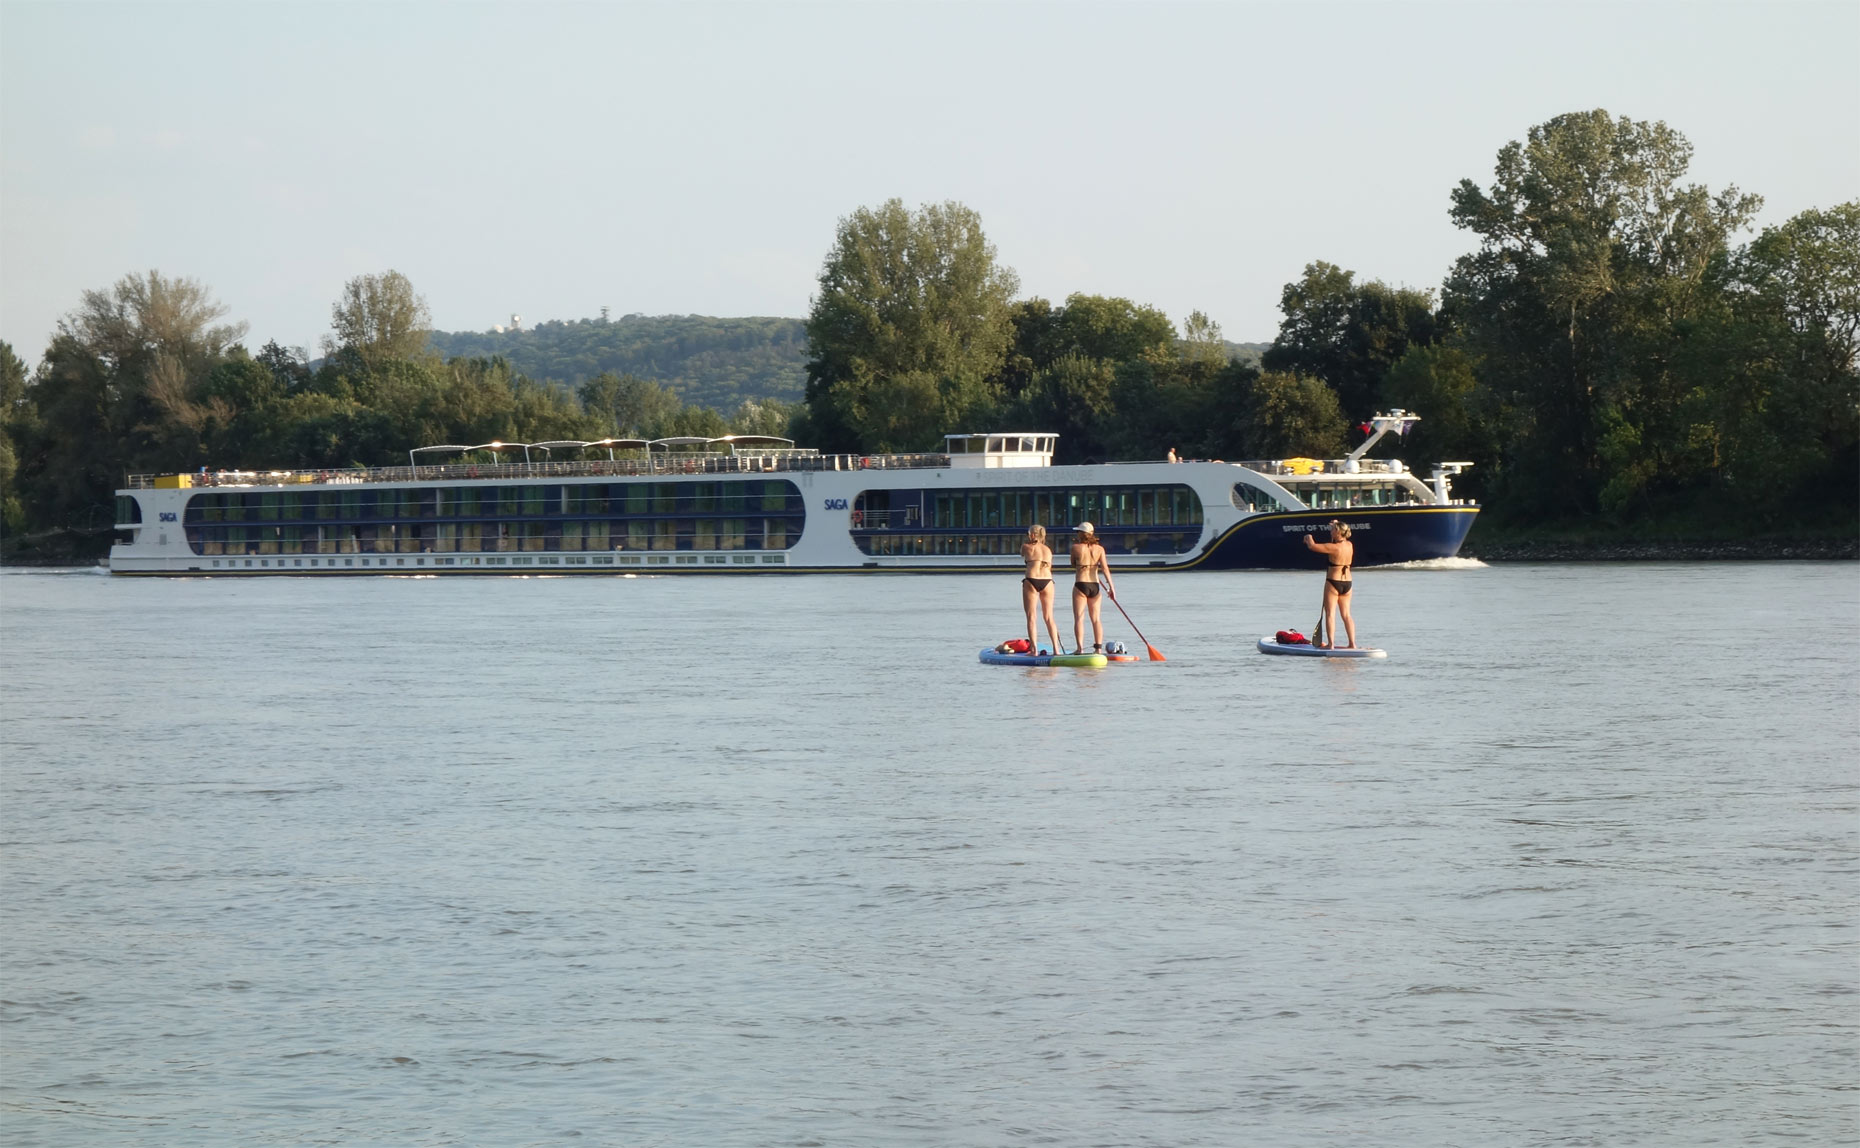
<point x="704" y="361"/>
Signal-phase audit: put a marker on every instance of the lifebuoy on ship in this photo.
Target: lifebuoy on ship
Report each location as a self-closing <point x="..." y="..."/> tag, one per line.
<point x="858" y="519"/>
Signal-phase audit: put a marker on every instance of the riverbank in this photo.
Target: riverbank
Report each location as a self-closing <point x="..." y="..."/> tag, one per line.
<point x="1562" y="550"/>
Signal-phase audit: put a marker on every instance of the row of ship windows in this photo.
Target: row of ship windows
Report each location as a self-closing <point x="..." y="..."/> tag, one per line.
<point x="872" y="510"/>
<point x="764" y="496"/>
<point x="888" y="544"/>
<point x="1117" y="506"/>
<point x="498" y="537"/>
<point x="591" y="560"/>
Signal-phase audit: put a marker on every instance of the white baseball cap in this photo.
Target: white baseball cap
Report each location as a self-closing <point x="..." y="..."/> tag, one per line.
<point x="1085" y="528"/>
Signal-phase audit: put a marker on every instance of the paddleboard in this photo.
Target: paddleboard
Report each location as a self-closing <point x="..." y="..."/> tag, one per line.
<point x="995" y="659"/>
<point x="1274" y="646"/>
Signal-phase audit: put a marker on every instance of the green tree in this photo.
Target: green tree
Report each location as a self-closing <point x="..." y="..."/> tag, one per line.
<point x="764" y="417"/>
<point x="1774" y="404"/>
<point x="1348" y="334"/>
<point x="1807" y="274"/>
<point x="1593" y="255"/>
<point x="16" y="417"/>
<point x="627" y="406"/>
<point x="120" y="371"/>
<point x="1072" y="397"/>
<point x="1440" y="384"/>
<point x="909" y="330"/>
<point x="1113" y="329"/>
<point x="380" y="318"/>
<point x="1292" y="416"/>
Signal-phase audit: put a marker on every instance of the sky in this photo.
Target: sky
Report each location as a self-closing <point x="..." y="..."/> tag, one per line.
<point x="551" y="159"/>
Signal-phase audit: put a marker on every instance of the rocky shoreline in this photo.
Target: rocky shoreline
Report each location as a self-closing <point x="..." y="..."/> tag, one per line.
<point x="1809" y="549"/>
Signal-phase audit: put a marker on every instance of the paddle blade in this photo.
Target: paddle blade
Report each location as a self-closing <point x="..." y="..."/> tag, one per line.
<point x="1155" y="654"/>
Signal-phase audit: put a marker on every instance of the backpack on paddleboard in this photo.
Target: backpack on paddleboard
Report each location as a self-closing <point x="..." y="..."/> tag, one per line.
<point x="1014" y="646"/>
<point x="1291" y="638"/>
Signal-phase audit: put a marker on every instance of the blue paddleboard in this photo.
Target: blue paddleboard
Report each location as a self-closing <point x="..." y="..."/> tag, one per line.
<point x="1305" y="650"/>
<point x="994" y="659"/>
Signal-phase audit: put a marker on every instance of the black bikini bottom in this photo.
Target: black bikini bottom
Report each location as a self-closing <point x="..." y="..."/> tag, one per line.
<point x="1089" y="589"/>
<point x="1038" y="584"/>
<point x="1342" y="588"/>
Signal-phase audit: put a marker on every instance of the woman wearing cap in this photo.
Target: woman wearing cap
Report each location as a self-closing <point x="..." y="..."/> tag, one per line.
<point x="1088" y="570"/>
<point x="1338" y="553"/>
<point x="1037" y="586"/>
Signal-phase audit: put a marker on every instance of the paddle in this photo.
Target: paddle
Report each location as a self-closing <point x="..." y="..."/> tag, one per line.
<point x="1155" y="654"/>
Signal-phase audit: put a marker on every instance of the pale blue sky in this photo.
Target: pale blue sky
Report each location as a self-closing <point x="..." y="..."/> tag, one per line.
<point x="551" y="159"/>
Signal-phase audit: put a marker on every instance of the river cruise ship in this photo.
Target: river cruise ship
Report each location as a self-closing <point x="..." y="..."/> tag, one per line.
<point x="740" y="505"/>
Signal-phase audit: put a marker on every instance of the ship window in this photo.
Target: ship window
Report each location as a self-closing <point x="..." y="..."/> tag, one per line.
<point x="128" y="510"/>
<point x="1248" y="497"/>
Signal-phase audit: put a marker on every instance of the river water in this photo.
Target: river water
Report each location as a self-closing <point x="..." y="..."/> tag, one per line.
<point x="775" y="861"/>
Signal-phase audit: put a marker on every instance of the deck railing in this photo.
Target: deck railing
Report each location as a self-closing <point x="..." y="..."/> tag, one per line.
<point x="667" y="465"/>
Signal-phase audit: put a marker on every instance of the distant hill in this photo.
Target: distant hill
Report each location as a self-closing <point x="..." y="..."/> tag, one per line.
<point x="1247" y="353"/>
<point x="707" y="361"/>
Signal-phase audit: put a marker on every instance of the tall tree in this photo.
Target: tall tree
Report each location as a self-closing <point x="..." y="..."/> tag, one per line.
<point x="1113" y="329"/>
<point x="627" y="405"/>
<point x="16" y="416"/>
<point x="107" y="395"/>
<point x="910" y="327"/>
<point x="1592" y="251"/>
<point x="1292" y="416"/>
<point x="1348" y="334"/>
<point x="380" y="318"/>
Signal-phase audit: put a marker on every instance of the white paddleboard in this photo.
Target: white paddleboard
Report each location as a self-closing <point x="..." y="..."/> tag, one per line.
<point x="1303" y="650"/>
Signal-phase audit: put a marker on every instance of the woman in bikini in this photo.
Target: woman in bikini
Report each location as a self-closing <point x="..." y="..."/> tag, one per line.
<point x="1037" y="586"/>
<point x="1088" y="570"/>
<point x="1338" y="553"/>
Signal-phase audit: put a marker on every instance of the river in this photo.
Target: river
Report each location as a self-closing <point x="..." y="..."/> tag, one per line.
<point x="775" y="861"/>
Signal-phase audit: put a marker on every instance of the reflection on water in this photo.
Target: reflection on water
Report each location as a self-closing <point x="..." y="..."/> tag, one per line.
<point x="777" y="861"/>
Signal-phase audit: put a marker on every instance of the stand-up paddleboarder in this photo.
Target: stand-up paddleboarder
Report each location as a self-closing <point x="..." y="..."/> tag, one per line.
<point x="1036" y="588"/>
<point x="1091" y="578"/>
<point x="1338" y="554"/>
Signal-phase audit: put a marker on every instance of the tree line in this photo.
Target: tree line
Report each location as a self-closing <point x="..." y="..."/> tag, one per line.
<point x="144" y="377"/>
<point x="1608" y="351"/>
